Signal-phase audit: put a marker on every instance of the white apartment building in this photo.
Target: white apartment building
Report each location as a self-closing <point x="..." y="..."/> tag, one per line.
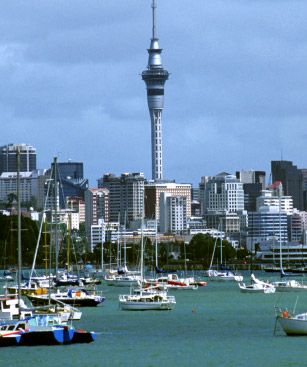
<point x="96" y="207"/>
<point x="223" y="193"/>
<point x="173" y="214"/>
<point x="268" y="198"/>
<point x="30" y="185"/>
<point x="98" y="234"/>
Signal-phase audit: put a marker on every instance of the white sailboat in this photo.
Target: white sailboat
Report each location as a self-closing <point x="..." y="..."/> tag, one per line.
<point x="143" y="300"/>
<point x="122" y="277"/>
<point x="286" y="285"/>
<point x="221" y="275"/>
<point x="256" y="286"/>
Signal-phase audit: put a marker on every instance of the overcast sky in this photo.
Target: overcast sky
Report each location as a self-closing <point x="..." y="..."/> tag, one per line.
<point x="70" y="83"/>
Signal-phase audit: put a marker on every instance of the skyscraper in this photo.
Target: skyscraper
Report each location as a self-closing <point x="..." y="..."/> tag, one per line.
<point x="155" y="77"/>
<point x="8" y="161"/>
<point x="292" y="180"/>
<point x="126" y="195"/>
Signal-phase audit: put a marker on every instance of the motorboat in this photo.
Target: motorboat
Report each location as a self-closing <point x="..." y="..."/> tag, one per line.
<point x="256" y="286"/>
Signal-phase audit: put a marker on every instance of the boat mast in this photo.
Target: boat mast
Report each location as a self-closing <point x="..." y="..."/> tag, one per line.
<point x="56" y="218"/>
<point x="156" y="244"/>
<point x="19" y="228"/>
<point x="142" y="252"/>
<point x="118" y="244"/>
<point x="125" y="243"/>
<point x="100" y="230"/>
<point x="280" y="249"/>
<point x="68" y="241"/>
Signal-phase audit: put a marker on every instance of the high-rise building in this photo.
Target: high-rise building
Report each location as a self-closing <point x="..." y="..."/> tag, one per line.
<point x="126" y="196"/>
<point x="71" y="180"/>
<point x="155" y="77"/>
<point x="249" y="177"/>
<point x="8" y="160"/>
<point x="29" y="186"/>
<point x="96" y="207"/>
<point x="173" y="214"/>
<point x="153" y="190"/>
<point x="224" y="193"/>
<point x="292" y="180"/>
<point x="267" y="225"/>
<point x="267" y="198"/>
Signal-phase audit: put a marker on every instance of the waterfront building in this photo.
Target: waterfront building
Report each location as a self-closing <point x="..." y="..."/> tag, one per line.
<point x="126" y="195"/>
<point x="153" y="191"/>
<point x="30" y="186"/>
<point x="292" y="181"/>
<point x="96" y="207"/>
<point x="223" y="193"/>
<point x="173" y="214"/>
<point x="298" y="226"/>
<point x="304" y="178"/>
<point x="155" y="77"/>
<point x="267" y="224"/>
<point x="8" y="160"/>
<point x="267" y="198"/>
<point x="98" y="234"/>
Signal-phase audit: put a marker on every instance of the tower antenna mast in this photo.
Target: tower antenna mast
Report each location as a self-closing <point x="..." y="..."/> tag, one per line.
<point x="154" y="6"/>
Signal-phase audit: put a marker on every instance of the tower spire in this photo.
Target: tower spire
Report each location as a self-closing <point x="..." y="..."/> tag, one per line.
<point x="154" y="6"/>
<point x="155" y="77"/>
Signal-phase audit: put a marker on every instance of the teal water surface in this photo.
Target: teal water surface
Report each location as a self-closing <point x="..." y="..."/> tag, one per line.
<point x="216" y="325"/>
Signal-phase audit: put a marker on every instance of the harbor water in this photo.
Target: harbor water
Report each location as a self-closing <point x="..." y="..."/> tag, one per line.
<point x="216" y="325"/>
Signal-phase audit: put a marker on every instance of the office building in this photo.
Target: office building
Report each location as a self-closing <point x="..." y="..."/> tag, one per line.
<point x="267" y="225"/>
<point x="292" y="181"/>
<point x="8" y="158"/>
<point x="173" y="214"/>
<point x="153" y="190"/>
<point x="126" y="195"/>
<point x="96" y="207"/>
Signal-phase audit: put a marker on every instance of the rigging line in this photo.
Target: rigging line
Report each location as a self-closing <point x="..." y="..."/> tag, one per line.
<point x="41" y="226"/>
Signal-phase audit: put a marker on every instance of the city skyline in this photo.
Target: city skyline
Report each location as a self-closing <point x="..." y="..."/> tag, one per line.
<point x="235" y="99"/>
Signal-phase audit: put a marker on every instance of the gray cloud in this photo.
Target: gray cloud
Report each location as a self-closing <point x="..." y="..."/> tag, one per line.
<point x="70" y="83"/>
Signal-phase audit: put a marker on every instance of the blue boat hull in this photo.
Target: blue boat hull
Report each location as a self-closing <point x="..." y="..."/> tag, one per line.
<point x="82" y="336"/>
<point x="11" y="341"/>
<point x="48" y="337"/>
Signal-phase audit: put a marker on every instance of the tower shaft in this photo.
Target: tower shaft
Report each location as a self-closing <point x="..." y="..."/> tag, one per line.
<point x="155" y="77"/>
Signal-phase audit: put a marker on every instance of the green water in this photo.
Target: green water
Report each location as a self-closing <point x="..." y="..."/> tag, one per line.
<point x="216" y="325"/>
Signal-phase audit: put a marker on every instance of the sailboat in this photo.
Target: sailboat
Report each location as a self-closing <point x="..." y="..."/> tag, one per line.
<point x="143" y="299"/>
<point x="38" y="329"/>
<point x="286" y="285"/>
<point x="222" y="274"/>
<point x="122" y="277"/>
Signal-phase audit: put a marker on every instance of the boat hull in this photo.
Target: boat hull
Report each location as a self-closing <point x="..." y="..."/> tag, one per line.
<point x="293" y="326"/>
<point x="82" y="336"/>
<point x="145" y="306"/>
<point x="9" y="341"/>
<point x="44" y="337"/>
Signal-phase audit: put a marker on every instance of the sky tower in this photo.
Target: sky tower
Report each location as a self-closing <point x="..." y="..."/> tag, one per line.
<point x="154" y="77"/>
